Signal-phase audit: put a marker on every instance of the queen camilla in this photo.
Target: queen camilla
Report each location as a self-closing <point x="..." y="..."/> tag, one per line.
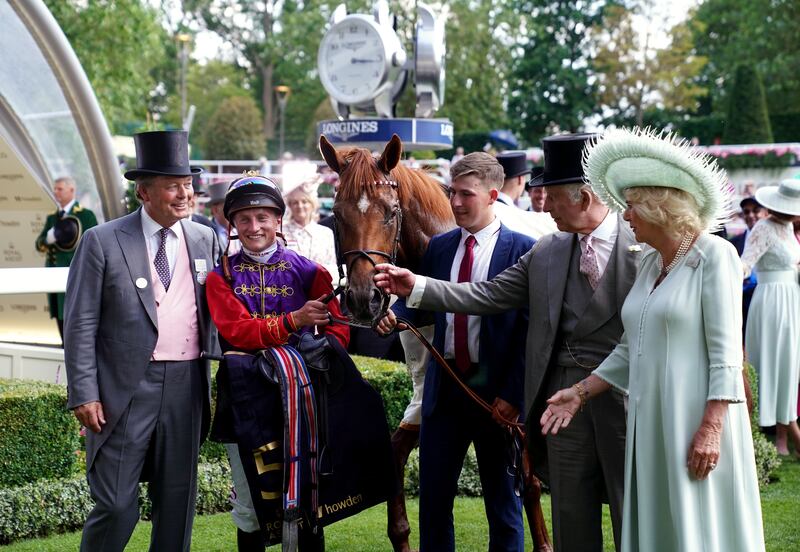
<point x="690" y="474"/>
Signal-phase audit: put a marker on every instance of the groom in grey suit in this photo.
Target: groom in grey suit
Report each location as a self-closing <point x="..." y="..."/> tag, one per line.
<point x="574" y="283"/>
<point x="137" y="326"/>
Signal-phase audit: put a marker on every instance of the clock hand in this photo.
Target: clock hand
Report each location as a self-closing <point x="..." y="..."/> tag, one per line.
<point x="359" y="60"/>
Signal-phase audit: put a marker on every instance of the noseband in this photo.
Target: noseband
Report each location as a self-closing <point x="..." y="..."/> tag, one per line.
<point x="347" y="259"/>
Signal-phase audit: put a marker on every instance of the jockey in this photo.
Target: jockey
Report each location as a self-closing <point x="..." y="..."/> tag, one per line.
<point x="263" y="297"/>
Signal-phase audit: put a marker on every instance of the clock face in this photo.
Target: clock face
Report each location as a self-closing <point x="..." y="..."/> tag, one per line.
<point x="352" y="61"/>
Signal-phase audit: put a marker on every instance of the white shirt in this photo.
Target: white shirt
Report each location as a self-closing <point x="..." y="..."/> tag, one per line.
<point x="68" y="207"/>
<point x="604" y="237"/>
<point x="485" y="241"/>
<point x="152" y="237"/>
<point x="482" y="251"/>
<point x="529" y="223"/>
<point x="505" y="199"/>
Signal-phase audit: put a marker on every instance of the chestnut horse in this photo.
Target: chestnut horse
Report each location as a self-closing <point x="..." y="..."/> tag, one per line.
<point x="386" y="212"/>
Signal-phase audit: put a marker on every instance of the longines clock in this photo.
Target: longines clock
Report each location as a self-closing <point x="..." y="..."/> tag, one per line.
<point x="361" y="62"/>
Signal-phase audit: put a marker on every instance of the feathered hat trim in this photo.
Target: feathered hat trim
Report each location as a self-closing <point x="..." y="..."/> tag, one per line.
<point x="627" y="158"/>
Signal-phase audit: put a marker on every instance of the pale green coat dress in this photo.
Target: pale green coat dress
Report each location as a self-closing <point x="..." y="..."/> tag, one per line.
<point x="681" y="348"/>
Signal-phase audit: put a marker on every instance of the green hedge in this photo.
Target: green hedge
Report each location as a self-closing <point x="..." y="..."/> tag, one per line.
<point x="392" y="381"/>
<point x="767" y="459"/>
<point x="39" y="438"/>
<point x="769" y="160"/>
<point x="48" y="507"/>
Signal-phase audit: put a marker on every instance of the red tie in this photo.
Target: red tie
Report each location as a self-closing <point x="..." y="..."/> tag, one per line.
<point x="460" y="333"/>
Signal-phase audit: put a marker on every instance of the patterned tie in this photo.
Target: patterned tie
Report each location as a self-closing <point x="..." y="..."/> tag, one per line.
<point x="460" y="333"/>
<point x="588" y="265"/>
<point x="161" y="262"/>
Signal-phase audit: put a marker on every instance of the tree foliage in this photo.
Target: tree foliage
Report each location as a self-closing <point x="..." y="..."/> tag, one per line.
<point x="232" y="131"/>
<point x="550" y="88"/>
<point x="748" y="120"/>
<point x="762" y="33"/>
<point x="207" y="87"/>
<point x="277" y="41"/>
<point x="120" y="45"/>
<point x="634" y="77"/>
<point x="477" y="64"/>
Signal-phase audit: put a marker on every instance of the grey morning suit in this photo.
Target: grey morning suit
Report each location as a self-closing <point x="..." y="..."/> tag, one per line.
<point x="571" y="330"/>
<point x="157" y="413"/>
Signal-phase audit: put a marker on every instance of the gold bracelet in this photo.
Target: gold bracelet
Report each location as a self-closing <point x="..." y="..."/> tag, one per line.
<point x="583" y="394"/>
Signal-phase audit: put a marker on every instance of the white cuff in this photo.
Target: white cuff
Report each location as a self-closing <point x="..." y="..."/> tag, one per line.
<point x="415" y="297"/>
<point x="51" y="236"/>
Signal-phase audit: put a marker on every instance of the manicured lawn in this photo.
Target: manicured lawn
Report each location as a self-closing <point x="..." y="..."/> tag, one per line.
<point x="366" y="532"/>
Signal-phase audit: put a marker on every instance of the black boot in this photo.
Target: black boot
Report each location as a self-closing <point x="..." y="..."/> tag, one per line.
<point x="249" y="542"/>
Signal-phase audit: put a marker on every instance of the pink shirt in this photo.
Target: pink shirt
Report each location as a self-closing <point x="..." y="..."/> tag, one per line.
<point x="178" y="334"/>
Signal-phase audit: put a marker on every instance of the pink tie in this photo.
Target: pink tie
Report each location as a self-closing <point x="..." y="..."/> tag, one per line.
<point x="460" y="333"/>
<point x="588" y="265"/>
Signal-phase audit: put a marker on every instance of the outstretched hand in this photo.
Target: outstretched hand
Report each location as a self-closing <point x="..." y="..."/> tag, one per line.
<point x="561" y="408"/>
<point x="393" y="279"/>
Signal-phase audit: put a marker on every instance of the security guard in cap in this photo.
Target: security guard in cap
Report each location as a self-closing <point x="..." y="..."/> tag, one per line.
<point x="60" y="235"/>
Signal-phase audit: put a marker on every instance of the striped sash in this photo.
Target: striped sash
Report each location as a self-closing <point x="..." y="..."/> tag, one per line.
<point x="300" y="409"/>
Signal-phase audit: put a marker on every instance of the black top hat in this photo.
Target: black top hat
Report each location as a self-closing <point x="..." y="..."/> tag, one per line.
<point x="513" y="163"/>
<point x="751" y="201"/>
<point x="536" y="172"/>
<point x="216" y="193"/>
<point x="562" y="160"/>
<point x="197" y="182"/>
<point x="162" y="152"/>
<point x="67" y="231"/>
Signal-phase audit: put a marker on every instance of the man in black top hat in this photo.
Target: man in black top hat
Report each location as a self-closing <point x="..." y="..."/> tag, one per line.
<point x="136" y="326"/>
<point x="574" y="282"/>
<point x="537" y="194"/>
<point x="516" y="169"/>
<point x="198" y="192"/>
<point x="60" y="235"/>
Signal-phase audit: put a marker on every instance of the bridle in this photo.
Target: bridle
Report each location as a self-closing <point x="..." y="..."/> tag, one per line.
<point x="347" y="259"/>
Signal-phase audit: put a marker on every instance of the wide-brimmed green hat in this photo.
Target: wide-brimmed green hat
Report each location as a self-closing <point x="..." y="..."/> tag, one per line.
<point x="631" y="158"/>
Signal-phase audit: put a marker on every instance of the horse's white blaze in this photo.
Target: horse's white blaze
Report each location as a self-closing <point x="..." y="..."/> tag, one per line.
<point x="363" y="203"/>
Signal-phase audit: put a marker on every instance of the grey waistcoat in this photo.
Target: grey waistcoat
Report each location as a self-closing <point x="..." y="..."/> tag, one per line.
<point x="575" y="346"/>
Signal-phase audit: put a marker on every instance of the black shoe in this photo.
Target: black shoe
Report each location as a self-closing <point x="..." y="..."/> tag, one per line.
<point x="249" y="542"/>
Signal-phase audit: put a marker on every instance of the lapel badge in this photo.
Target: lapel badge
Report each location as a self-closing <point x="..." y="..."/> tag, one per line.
<point x="201" y="269"/>
<point x="141" y="283"/>
<point x="635" y="248"/>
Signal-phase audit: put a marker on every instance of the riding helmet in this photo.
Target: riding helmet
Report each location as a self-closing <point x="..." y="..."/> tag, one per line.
<point x="250" y="191"/>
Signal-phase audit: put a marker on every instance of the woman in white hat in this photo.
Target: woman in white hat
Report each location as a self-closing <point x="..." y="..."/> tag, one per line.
<point x="302" y="232"/>
<point x="772" y="341"/>
<point x="690" y="474"/>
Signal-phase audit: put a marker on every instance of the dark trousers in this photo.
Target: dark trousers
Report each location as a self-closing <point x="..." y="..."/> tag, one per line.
<point x="587" y="466"/>
<point x="159" y="433"/>
<point x="445" y="436"/>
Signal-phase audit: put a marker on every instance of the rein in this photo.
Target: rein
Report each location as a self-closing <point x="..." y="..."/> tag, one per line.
<point x="516" y="427"/>
<point x="342" y="262"/>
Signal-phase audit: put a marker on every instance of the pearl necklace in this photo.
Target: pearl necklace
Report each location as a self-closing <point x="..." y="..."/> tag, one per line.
<point x="683" y="249"/>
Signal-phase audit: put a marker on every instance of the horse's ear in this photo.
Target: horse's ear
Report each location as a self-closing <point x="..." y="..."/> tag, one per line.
<point x="330" y="154"/>
<point x="391" y="154"/>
